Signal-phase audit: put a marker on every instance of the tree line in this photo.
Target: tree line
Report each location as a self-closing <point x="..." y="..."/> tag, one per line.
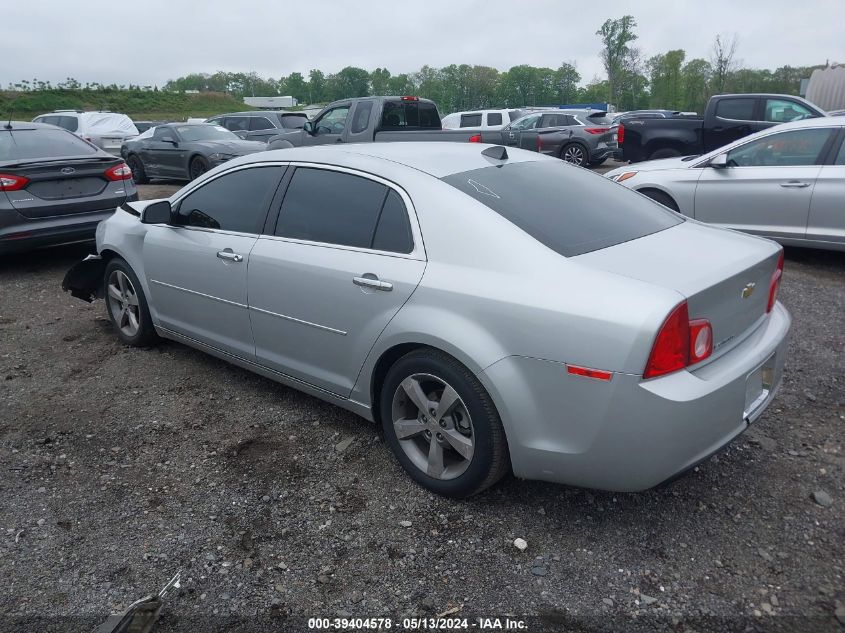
<point x="632" y="81"/>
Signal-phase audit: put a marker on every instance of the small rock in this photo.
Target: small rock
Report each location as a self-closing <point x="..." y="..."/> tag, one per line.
<point x="810" y="396"/>
<point x="840" y="613"/>
<point x="247" y="563"/>
<point x="42" y="521"/>
<point x="539" y="570"/>
<point x="280" y="588"/>
<point x="520" y="544"/>
<point x="647" y="600"/>
<point x="767" y="608"/>
<point x="405" y="523"/>
<point x="718" y="563"/>
<point x="764" y="554"/>
<point x="115" y="449"/>
<point x="225" y="596"/>
<point x="774" y="600"/>
<point x="607" y="601"/>
<point x="265" y="498"/>
<point x="344" y="444"/>
<point x="822" y="498"/>
<point x="323" y="579"/>
<point x="427" y="604"/>
<point x="542" y="511"/>
<point x="42" y="489"/>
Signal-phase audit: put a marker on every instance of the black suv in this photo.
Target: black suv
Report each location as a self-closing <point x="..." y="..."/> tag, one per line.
<point x="260" y="125"/>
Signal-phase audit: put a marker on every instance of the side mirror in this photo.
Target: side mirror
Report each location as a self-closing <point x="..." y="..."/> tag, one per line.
<point x="157" y="213"/>
<point x="720" y="161"/>
<point x="309" y="128"/>
<point x="169" y="139"/>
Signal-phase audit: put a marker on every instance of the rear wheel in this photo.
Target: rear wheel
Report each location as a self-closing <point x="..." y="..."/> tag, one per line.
<point x="137" y="167"/>
<point x="663" y="198"/>
<point x="666" y="152"/>
<point x="442" y="425"/>
<point x="126" y="305"/>
<point x="198" y="167"/>
<point x="574" y="154"/>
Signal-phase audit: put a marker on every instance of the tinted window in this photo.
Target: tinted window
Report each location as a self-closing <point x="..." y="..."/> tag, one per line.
<point x="260" y="123"/>
<point x="553" y="120"/>
<point x="471" y="120"/>
<point x="570" y="212"/>
<point x="160" y="132"/>
<point x="494" y="118"/>
<point x="70" y="123"/>
<point x="526" y="122"/>
<point x="237" y="123"/>
<point x="41" y="143"/>
<point x="205" y="132"/>
<point x="737" y="109"/>
<point x="293" y="121"/>
<point x="331" y="207"/>
<point x="216" y="121"/>
<point x="393" y="232"/>
<point x="406" y="114"/>
<point x="783" y="111"/>
<point x="362" y="116"/>
<point x="234" y="202"/>
<point x="798" y="147"/>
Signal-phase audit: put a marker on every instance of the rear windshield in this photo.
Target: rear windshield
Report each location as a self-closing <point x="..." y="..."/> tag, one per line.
<point x="403" y="115"/>
<point x="41" y="143"/>
<point x="293" y="121"/>
<point x="562" y="207"/>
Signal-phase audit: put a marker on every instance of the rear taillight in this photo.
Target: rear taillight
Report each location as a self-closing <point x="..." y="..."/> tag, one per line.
<point x="620" y="134"/>
<point x="597" y="130"/>
<point x="10" y="182"/>
<point x="475" y="138"/>
<point x="119" y="172"/>
<point x="774" y="284"/>
<point x="679" y="343"/>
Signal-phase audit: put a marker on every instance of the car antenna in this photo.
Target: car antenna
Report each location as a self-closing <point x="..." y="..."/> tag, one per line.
<point x="497" y="151"/>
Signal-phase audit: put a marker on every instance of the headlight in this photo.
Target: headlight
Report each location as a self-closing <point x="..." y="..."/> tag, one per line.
<point x="623" y="176"/>
<point x="221" y="156"/>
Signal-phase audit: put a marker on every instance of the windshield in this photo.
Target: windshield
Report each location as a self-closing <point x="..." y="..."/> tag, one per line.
<point x="569" y="211"/>
<point x="206" y="133"/>
<point x="41" y="143"/>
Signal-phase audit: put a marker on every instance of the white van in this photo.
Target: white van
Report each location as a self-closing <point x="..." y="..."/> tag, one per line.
<point x="480" y="119"/>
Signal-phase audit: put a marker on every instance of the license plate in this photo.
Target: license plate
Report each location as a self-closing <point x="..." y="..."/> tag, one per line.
<point x="613" y="138"/>
<point x="111" y="142"/>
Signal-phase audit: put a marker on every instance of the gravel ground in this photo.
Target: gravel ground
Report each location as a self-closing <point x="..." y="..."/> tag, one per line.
<point x="121" y="466"/>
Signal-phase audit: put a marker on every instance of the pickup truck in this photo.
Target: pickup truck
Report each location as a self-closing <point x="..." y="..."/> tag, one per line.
<point x="372" y="119"/>
<point x="726" y="118"/>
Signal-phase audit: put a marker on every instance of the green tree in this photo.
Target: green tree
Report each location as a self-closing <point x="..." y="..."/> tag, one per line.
<point x="316" y="86"/>
<point x="722" y="61"/>
<point x="566" y="81"/>
<point x="696" y="80"/>
<point x="379" y="81"/>
<point x="666" y="80"/>
<point x="616" y="35"/>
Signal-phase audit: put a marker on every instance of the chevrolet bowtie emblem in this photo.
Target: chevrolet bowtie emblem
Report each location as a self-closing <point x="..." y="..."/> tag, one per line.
<point x="748" y="290"/>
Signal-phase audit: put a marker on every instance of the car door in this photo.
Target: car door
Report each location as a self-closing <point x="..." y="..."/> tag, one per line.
<point x="163" y="154"/>
<point x="261" y="129"/>
<point x="827" y="208"/>
<point x="734" y="118"/>
<point x="330" y="126"/>
<point x="766" y="186"/>
<point x="197" y="270"/>
<point x="345" y="256"/>
<point x="513" y="134"/>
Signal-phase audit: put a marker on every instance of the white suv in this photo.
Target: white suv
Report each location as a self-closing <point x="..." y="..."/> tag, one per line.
<point x="106" y="130"/>
<point x="480" y="119"/>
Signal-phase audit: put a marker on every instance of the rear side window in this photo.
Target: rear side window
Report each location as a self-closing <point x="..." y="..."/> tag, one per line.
<point x="41" y="143"/>
<point x="260" y="123"/>
<point x="393" y="232"/>
<point x="236" y="201"/>
<point x="362" y="116"/>
<point x="401" y="115"/>
<point x="471" y="120"/>
<point x="70" y="123"/>
<point x="331" y="207"/>
<point x="569" y="211"/>
<point x="237" y="123"/>
<point x="494" y="118"/>
<point x="736" y="109"/>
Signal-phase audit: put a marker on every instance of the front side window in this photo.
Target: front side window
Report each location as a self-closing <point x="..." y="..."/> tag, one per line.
<point x="161" y="132"/>
<point x="783" y="111"/>
<point x="526" y="123"/>
<point x="260" y="123"/>
<point x="236" y="201"/>
<point x="333" y="121"/>
<point x="362" y="116"/>
<point x="494" y="118"/>
<point x="787" y="149"/>
<point x="736" y="109"/>
<point x="293" y="121"/>
<point x="471" y="120"/>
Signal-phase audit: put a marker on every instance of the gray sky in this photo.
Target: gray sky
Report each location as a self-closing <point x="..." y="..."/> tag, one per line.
<point x="156" y="40"/>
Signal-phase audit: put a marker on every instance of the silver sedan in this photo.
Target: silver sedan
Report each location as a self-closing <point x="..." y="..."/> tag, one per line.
<point x="493" y="310"/>
<point x="786" y="183"/>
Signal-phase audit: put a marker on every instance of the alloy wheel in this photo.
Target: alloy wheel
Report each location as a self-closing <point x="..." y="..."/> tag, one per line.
<point x="433" y="426"/>
<point x="574" y="154"/>
<point x="123" y="303"/>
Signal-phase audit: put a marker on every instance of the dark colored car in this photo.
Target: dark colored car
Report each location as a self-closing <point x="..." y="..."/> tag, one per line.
<point x="143" y="126"/>
<point x="55" y="187"/>
<point x="260" y="125"/>
<point x="183" y="151"/>
<point x="726" y="119"/>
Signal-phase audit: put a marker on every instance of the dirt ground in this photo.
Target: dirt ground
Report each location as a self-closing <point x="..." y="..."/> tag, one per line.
<point x="121" y="466"/>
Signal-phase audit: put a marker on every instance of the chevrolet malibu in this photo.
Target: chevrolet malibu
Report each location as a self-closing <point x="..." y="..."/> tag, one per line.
<point x="492" y="309"/>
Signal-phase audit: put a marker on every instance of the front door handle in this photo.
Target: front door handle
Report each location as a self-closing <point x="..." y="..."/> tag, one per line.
<point x="369" y="280"/>
<point x="227" y="254"/>
<point x="795" y="184"/>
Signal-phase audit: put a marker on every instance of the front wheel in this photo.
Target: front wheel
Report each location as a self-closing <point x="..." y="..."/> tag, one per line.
<point x="127" y="306"/>
<point x="574" y="154"/>
<point x="442" y="426"/>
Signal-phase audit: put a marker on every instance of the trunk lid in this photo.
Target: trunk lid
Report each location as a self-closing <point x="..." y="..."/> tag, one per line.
<point x="724" y="275"/>
<point x="66" y="186"/>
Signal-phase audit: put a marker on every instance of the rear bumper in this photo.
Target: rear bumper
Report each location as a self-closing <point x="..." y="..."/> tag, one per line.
<point x="631" y="434"/>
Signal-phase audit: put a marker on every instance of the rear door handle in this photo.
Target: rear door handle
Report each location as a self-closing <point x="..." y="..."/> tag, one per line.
<point x="718" y="128"/>
<point x="795" y="184"/>
<point x="369" y="280"/>
<point x="227" y="254"/>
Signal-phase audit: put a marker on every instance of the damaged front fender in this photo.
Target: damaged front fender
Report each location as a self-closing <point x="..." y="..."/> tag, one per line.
<point x="85" y="279"/>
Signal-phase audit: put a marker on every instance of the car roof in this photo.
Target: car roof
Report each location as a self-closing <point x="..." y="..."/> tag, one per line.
<point x="438" y="159"/>
<point x="24" y="125"/>
<point x="258" y="112"/>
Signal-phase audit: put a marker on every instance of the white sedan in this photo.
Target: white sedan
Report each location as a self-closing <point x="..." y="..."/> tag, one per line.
<point x="786" y="183"/>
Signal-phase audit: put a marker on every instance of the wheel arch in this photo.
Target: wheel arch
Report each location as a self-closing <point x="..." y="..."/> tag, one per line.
<point x="573" y="141"/>
<point x="661" y="190"/>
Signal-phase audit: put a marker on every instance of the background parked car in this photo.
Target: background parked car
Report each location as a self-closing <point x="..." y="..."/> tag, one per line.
<point x="55" y="187"/>
<point x="143" y="126"/>
<point x="786" y="183"/>
<point x="480" y="119"/>
<point x="183" y="151"/>
<point x="106" y="130"/>
<point x="260" y="125"/>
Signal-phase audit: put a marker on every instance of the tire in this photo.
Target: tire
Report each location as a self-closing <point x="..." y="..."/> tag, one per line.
<point x="663" y="198"/>
<point x="575" y="154"/>
<point x="137" y="167"/>
<point x="471" y="423"/>
<point x="126" y="305"/>
<point x="197" y="167"/>
<point x="666" y="152"/>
